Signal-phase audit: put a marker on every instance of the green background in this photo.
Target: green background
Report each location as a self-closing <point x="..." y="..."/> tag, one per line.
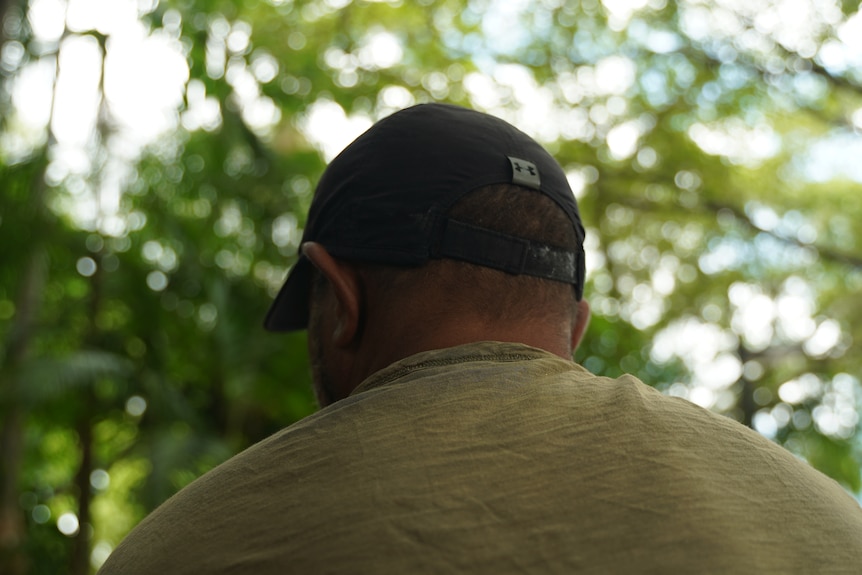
<point x="133" y="360"/>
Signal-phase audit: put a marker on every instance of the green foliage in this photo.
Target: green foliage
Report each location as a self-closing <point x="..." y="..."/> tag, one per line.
<point x="724" y="252"/>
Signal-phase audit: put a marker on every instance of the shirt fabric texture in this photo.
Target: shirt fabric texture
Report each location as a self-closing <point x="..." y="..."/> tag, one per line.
<point x="501" y="458"/>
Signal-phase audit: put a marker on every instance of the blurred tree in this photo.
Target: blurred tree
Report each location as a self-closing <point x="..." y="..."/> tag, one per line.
<point x="157" y="159"/>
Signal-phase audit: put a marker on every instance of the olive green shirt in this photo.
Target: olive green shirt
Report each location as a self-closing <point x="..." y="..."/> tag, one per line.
<point x="501" y="458"/>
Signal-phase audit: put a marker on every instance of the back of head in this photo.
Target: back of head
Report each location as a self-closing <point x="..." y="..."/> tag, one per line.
<point x="438" y="200"/>
<point x="455" y="288"/>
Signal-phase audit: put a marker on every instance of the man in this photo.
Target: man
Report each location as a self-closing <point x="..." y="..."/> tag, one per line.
<point x="441" y="279"/>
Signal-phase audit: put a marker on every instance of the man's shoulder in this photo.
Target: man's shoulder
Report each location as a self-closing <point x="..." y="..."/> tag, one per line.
<point x="444" y="444"/>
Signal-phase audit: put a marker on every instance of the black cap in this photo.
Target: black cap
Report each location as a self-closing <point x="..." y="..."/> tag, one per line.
<point x="385" y="197"/>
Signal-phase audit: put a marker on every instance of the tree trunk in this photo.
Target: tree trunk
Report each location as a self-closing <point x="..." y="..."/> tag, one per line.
<point x="12" y="523"/>
<point x="80" y="561"/>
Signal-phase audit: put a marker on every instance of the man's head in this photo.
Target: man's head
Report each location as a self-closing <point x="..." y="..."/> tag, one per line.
<point x="438" y="226"/>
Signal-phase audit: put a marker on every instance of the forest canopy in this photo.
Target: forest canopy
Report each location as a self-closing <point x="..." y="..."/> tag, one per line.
<point x="157" y="159"/>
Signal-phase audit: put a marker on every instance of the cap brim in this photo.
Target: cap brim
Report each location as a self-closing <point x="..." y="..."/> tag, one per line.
<point x="289" y="311"/>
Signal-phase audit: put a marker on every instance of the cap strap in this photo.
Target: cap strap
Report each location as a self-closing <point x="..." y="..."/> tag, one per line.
<point x="510" y="253"/>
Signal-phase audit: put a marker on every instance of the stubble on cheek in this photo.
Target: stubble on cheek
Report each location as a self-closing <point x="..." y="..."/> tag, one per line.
<point x="322" y="382"/>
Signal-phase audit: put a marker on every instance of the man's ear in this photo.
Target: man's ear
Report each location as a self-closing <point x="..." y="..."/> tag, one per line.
<point x="582" y="320"/>
<point x="347" y="288"/>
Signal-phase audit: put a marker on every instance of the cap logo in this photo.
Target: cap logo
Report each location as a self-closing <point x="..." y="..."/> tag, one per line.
<point x="525" y="173"/>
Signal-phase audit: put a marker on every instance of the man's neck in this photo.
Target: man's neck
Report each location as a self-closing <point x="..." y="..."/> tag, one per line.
<point x="384" y="346"/>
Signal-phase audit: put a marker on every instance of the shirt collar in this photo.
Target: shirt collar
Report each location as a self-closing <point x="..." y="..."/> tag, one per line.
<point x="477" y="351"/>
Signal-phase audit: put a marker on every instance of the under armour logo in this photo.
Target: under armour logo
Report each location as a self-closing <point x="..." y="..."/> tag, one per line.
<point x="525" y="173"/>
<point x="519" y="168"/>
